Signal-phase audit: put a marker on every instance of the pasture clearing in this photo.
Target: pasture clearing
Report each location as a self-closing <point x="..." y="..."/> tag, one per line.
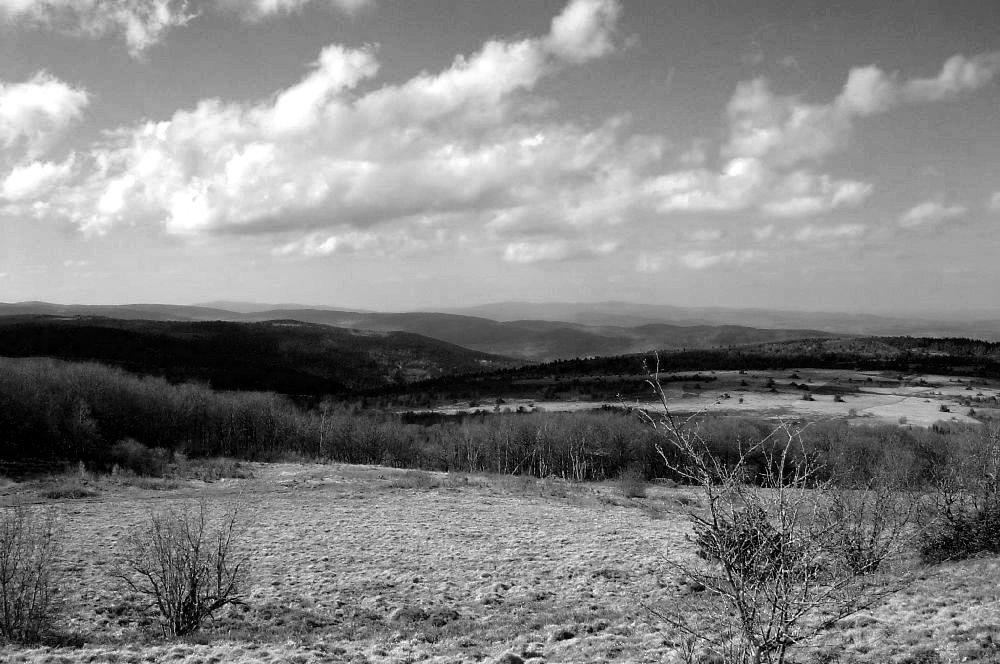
<point x="370" y="564"/>
<point x="862" y="397"/>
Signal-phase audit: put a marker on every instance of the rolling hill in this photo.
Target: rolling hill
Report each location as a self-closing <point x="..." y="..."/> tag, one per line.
<point x="291" y="357"/>
<point x="531" y="340"/>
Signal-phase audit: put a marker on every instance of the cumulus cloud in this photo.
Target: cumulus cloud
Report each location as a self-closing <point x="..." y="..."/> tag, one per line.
<point x="775" y="142"/>
<point x="930" y="214"/>
<point x="256" y="10"/>
<point x="36" y="112"/>
<point x="337" y="163"/>
<point x="33" y="180"/>
<point x="318" y="153"/>
<point x="747" y="182"/>
<point x="584" y="30"/>
<point x="142" y="23"/>
<point x="784" y="130"/>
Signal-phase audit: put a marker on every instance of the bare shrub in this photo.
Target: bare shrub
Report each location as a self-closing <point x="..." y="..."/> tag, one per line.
<point x="70" y="489"/>
<point x="632" y="484"/>
<point x="965" y="517"/>
<point x="135" y="457"/>
<point x="187" y="564"/>
<point x="28" y="547"/>
<point x="415" y="479"/>
<point x="784" y="554"/>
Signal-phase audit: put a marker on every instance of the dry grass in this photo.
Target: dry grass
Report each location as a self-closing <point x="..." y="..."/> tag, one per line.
<point x="368" y="564"/>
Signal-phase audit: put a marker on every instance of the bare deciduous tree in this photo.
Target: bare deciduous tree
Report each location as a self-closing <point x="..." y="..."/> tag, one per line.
<point x="187" y="564"/>
<point x="28" y="547"/>
<point x="784" y="554"/>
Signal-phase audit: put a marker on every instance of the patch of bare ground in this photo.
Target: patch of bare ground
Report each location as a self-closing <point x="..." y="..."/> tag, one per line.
<point x="369" y="564"/>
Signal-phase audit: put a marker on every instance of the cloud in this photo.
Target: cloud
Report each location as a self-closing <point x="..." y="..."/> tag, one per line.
<point x="930" y="214"/>
<point x="784" y="130"/>
<point x="745" y="183"/>
<point x="995" y="202"/>
<point x="812" y="233"/>
<point x="35" y="179"/>
<point x="36" y="112"/>
<point x="142" y="23"/>
<point x="775" y="141"/>
<point x="555" y="250"/>
<point x="701" y="260"/>
<point x="319" y="153"/>
<point x="393" y="243"/>
<point x="256" y="10"/>
<point x="803" y="194"/>
<point x="584" y="30"/>
<point x="706" y="235"/>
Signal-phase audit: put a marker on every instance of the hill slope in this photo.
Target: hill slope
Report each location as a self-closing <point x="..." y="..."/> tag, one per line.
<point x="291" y="357"/>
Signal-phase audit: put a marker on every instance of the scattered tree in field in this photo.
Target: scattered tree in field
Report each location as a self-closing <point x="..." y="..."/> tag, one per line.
<point x="28" y="546"/>
<point x="187" y="564"/>
<point x="784" y="554"/>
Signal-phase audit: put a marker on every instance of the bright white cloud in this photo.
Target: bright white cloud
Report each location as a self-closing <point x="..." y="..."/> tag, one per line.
<point x="35" y="113"/>
<point x="931" y="213"/>
<point x="771" y="136"/>
<point x="746" y="183"/>
<point x="256" y="10"/>
<point x="35" y="179"/>
<point x="318" y="154"/>
<point x="784" y="130"/>
<point x="142" y="23"/>
<point x="338" y="164"/>
<point x="584" y="30"/>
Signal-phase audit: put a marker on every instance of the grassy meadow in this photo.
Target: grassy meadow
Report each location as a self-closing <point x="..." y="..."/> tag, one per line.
<point x="373" y="564"/>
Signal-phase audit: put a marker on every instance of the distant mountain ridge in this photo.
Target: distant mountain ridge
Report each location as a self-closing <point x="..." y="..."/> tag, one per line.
<point x="542" y="332"/>
<point x="629" y="314"/>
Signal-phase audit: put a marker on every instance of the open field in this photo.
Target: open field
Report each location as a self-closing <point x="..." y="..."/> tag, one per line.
<point x="368" y="564"/>
<point x="862" y="397"/>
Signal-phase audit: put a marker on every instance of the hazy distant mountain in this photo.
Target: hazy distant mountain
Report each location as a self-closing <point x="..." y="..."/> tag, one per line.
<point x="631" y="314"/>
<point x="241" y="307"/>
<point x="119" y="311"/>
<point x="558" y="330"/>
<point x="541" y="339"/>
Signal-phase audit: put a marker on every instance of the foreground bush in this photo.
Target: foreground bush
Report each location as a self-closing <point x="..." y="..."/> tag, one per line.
<point x="966" y="515"/>
<point x="785" y="554"/>
<point x="28" y="547"/>
<point x="187" y="564"/>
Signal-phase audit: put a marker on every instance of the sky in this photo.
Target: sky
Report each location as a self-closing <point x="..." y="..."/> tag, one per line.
<point x="418" y="154"/>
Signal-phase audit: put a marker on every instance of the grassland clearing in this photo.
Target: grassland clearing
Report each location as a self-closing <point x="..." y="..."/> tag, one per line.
<point x="873" y="397"/>
<point x="372" y="564"/>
